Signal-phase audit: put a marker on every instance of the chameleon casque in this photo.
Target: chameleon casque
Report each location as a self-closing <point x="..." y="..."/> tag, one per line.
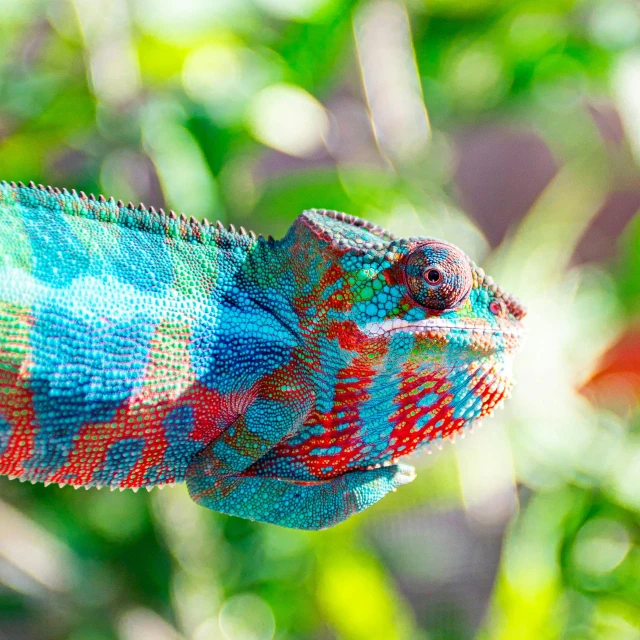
<point x="282" y="379"/>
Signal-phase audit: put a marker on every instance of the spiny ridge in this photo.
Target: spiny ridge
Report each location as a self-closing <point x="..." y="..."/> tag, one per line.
<point x="187" y="227"/>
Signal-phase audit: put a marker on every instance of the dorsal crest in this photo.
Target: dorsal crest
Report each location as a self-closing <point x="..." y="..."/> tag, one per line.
<point x="108" y="210"/>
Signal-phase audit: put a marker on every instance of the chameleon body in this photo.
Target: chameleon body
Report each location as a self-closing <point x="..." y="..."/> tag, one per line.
<point x="281" y="379"/>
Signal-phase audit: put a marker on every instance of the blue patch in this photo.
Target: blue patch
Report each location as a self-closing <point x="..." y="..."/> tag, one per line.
<point x="326" y="380"/>
<point x="180" y="450"/>
<point x="135" y="257"/>
<point x="251" y="338"/>
<point x="322" y="451"/>
<point x="305" y="434"/>
<point x="469" y="408"/>
<point x="60" y="256"/>
<point x="142" y="259"/>
<point x="375" y="411"/>
<point x="121" y="458"/>
<point x="5" y="434"/>
<point x="427" y="400"/>
<point x="81" y="374"/>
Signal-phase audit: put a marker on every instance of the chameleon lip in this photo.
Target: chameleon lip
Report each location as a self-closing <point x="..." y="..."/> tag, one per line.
<point x="392" y="327"/>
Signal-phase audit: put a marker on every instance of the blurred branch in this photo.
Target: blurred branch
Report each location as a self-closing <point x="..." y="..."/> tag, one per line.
<point x="35" y="552"/>
<point x="112" y="58"/>
<point x="553" y="227"/>
<point x="390" y="75"/>
<point x="143" y="624"/>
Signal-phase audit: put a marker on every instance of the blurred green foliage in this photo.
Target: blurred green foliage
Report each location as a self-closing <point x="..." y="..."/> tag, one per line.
<point x="252" y="110"/>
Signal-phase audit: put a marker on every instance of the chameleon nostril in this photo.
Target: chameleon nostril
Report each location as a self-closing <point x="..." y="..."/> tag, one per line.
<point x="497" y="307"/>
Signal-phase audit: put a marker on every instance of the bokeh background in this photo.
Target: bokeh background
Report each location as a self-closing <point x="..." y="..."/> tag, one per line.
<point x="511" y="128"/>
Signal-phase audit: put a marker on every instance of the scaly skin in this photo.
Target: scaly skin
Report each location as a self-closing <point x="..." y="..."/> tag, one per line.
<point x="281" y="379"/>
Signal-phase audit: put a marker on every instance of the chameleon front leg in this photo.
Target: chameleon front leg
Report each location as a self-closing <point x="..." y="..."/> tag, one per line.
<point x="219" y="477"/>
<point x="294" y="503"/>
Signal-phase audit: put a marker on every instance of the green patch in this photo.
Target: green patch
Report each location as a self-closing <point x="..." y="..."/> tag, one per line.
<point x="15" y="325"/>
<point x="15" y="247"/>
<point x="98" y="239"/>
<point x="366" y="293"/>
<point x="195" y="267"/>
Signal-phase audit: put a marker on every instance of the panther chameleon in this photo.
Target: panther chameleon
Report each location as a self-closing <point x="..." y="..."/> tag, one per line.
<point x="282" y="379"/>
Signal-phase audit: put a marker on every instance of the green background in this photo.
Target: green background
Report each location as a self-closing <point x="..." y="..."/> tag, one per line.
<point x="511" y="128"/>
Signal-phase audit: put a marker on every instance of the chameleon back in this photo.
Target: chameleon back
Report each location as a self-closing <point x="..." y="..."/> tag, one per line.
<point x="102" y="310"/>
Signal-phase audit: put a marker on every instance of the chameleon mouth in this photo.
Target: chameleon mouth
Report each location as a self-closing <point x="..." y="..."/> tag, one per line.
<point x="434" y="327"/>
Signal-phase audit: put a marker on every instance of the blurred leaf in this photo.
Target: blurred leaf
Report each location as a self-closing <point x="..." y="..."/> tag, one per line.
<point x="355" y="594"/>
<point x="628" y="270"/>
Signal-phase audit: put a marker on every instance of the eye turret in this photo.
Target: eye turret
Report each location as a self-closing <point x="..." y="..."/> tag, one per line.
<point x="438" y="275"/>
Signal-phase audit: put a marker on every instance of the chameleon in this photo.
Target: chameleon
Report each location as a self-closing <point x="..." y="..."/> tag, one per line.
<point x="282" y="380"/>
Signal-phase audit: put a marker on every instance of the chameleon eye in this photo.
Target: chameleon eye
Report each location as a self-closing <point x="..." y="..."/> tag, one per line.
<point x="438" y="275"/>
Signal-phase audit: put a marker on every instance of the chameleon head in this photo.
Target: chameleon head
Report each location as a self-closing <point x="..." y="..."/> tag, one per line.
<point x="428" y="323"/>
